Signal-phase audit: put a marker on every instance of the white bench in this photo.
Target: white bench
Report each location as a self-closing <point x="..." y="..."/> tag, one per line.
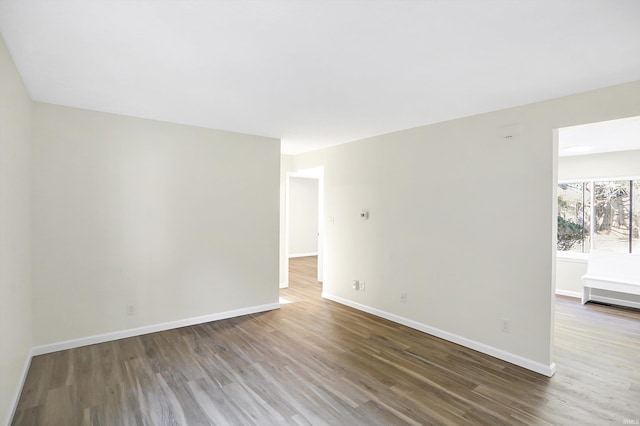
<point x="611" y="271"/>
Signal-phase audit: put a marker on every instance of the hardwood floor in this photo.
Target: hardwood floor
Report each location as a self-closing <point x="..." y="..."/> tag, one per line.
<point x="317" y="362"/>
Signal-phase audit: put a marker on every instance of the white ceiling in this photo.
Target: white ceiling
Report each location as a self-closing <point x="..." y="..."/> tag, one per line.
<point x="317" y="73"/>
<point x="607" y="136"/>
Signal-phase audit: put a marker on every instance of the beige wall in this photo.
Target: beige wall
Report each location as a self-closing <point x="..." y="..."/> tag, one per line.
<point x="569" y="274"/>
<point x="177" y="221"/>
<point x="463" y="269"/>
<point x="303" y="216"/>
<point x="606" y="165"/>
<point x="286" y="166"/>
<point x="15" y="280"/>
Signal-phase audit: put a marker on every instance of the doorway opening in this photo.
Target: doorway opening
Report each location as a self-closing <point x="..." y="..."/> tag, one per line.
<point x="304" y="207"/>
<point x="598" y="200"/>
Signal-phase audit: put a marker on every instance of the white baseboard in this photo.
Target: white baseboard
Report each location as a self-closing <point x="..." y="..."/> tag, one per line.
<point x="601" y="299"/>
<point x="565" y="256"/>
<point x="284" y="285"/>
<point x="16" y="397"/>
<point x="100" y="338"/>
<point x="314" y="253"/>
<point x="614" y="301"/>
<point x="569" y="293"/>
<point x="546" y="370"/>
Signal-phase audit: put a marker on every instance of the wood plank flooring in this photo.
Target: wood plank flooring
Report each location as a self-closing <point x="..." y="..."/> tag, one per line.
<point x="317" y="362"/>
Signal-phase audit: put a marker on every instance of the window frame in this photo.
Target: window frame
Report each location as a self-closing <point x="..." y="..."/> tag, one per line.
<point x="592" y="180"/>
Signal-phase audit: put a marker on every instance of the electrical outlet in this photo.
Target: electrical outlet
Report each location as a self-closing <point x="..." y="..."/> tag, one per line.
<point x="506" y="326"/>
<point x="403" y="297"/>
<point x="356" y="285"/>
<point x="131" y="310"/>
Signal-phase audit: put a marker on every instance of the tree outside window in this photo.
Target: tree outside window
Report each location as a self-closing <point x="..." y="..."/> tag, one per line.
<point x="612" y="223"/>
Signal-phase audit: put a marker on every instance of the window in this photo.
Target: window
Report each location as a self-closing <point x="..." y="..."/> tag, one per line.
<point x="573" y="217"/>
<point x="635" y="215"/>
<point x="600" y="215"/>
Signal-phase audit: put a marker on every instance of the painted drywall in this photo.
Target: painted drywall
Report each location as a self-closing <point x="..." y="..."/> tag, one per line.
<point x="15" y="262"/>
<point x="462" y="219"/>
<point x="606" y="165"/>
<point x="286" y="165"/>
<point x="568" y="276"/>
<point x="177" y="221"/>
<point x="303" y="216"/>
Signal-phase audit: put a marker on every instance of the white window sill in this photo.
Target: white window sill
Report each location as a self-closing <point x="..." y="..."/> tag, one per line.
<point x="568" y="256"/>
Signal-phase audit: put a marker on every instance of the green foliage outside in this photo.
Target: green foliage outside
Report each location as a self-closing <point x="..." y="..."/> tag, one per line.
<point x="569" y="233"/>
